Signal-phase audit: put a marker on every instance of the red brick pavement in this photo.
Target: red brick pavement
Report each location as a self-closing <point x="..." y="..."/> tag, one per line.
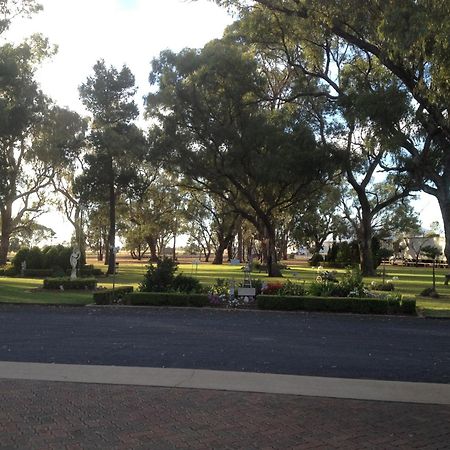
<point x="48" y="415"/>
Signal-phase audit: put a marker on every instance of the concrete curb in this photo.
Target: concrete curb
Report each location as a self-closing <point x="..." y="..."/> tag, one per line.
<point x="390" y="391"/>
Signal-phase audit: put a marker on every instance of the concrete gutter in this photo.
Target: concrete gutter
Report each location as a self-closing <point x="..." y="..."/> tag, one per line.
<point x="390" y="391"/>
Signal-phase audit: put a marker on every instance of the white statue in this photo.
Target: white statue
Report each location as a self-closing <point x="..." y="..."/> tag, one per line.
<point x="74" y="257"/>
<point x="23" y="267"/>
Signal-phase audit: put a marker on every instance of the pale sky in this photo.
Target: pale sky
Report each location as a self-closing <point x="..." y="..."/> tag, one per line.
<point x="130" y="32"/>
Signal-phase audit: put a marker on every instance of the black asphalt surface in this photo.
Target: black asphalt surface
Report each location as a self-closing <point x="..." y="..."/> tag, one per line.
<point x="348" y="346"/>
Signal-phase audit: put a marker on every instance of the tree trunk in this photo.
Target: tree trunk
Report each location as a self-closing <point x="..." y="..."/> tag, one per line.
<point x="365" y="234"/>
<point x="230" y="252"/>
<point x="273" y="270"/>
<point x="444" y="203"/>
<point x="218" y="256"/>
<point x="80" y="237"/>
<point x="151" y="241"/>
<point x="240" y="248"/>
<point x="112" y="228"/>
<point x="6" y="222"/>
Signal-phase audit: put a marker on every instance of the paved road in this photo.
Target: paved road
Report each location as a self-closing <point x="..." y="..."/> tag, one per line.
<point x="390" y="348"/>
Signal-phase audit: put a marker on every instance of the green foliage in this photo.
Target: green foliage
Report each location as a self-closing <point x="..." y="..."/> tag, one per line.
<point x="187" y="284"/>
<point x="166" y="299"/>
<point x="431" y="251"/>
<point x="220" y="287"/>
<point x="332" y="304"/>
<point x="352" y="284"/>
<point x="68" y="284"/>
<point x="430" y="292"/>
<point x="290" y="288"/>
<point x="108" y="297"/>
<point x="162" y="278"/>
<point x="352" y="281"/>
<point x="39" y="273"/>
<point x="387" y="287"/>
<point x="53" y="259"/>
<point x="159" y="278"/>
<point x="7" y="271"/>
<point x="315" y="259"/>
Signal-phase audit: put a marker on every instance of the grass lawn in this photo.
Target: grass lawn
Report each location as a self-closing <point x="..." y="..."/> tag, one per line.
<point x="409" y="281"/>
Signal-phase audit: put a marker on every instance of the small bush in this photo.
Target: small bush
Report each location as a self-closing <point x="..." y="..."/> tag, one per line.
<point x="315" y="259"/>
<point x="159" y="278"/>
<point x="387" y="287"/>
<point x="68" y="284"/>
<point x="166" y="299"/>
<point x="107" y="297"/>
<point x="290" y="288"/>
<point x="7" y="271"/>
<point x="187" y="284"/>
<point x="429" y="292"/>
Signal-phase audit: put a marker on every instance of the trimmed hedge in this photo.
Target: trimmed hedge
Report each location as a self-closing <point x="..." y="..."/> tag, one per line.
<point x="37" y="273"/>
<point x="107" y="297"/>
<point x="7" y="271"/>
<point x="68" y="284"/>
<point x="166" y="299"/>
<point x="337" y="304"/>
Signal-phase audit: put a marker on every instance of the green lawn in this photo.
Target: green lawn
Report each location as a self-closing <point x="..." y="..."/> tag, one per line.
<point x="409" y="281"/>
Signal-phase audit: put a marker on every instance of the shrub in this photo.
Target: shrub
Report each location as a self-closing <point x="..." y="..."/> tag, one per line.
<point x="387" y="287"/>
<point x="352" y="283"/>
<point x="429" y="292"/>
<point x="38" y="273"/>
<point x="184" y="283"/>
<point x="332" y="304"/>
<point x="109" y="296"/>
<point x="56" y="258"/>
<point x="315" y="259"/>
<point x="7" y="271"/>
<point x="166" y="299"/>
<point x="67" y="283"/>
<point x="290" y="288"/>
<point x="19" y="258"/>
<point x="159" y="278"/>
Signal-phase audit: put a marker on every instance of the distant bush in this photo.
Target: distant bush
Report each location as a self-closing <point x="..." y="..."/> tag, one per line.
<point x="7" y="271"/>
<point x="315" y="259"/>
<point x="382" y="286"/>
<point x="55" y="258"/>
<point x="430" y="292"/>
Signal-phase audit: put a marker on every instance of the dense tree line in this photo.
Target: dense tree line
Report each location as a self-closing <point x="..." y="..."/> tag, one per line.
<point x="305" y="120"/>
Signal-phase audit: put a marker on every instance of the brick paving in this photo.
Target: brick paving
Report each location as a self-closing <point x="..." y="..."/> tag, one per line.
<point x="49" y="415"/>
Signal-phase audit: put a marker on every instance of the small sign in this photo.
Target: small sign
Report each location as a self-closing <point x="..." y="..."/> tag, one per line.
<point x="235" y="262"/>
